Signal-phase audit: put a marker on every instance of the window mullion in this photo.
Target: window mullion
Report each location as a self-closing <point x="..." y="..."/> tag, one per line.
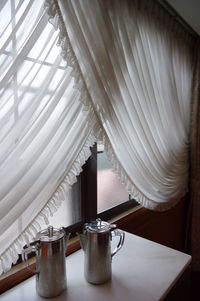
<point x="89" y="187"/>
<point x="14" y="55"/>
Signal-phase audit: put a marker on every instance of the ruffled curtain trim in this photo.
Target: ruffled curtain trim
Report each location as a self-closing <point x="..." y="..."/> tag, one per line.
<point x="132" y="189"/>
<point x="67" y="52"/>
<point x="11" y="255"/>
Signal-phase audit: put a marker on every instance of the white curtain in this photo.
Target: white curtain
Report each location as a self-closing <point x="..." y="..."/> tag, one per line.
<point x="127" y="83"/>
<point x="44" y="134"/>
<point x="136" y="65"/>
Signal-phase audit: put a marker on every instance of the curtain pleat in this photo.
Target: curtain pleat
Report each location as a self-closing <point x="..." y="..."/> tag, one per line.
<point x="137" y="66"/>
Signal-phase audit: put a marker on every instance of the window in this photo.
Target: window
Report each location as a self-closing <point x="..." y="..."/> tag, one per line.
<point x="97" y="193"/>
<point x="110" y="191"/>
<point x="87" y="200"/>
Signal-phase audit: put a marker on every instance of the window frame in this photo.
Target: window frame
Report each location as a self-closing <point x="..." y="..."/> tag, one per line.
<point x="88" y="197"/>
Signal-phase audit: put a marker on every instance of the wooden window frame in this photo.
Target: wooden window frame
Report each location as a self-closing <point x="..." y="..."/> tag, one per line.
<point x="89" y="197"/>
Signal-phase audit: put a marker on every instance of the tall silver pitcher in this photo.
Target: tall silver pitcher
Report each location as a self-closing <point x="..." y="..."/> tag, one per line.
<point x="96" y="244"/>
<point x="50" y="247"/>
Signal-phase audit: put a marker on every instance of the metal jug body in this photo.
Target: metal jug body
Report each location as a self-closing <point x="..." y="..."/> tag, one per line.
<point x="96" y="243"/>
<point x="97" y="263"/>
<point x="50" y="270"/>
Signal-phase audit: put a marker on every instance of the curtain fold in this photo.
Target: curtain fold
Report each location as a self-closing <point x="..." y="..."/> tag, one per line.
<point x="135" y="64"/>
<point x="45" y="134"/>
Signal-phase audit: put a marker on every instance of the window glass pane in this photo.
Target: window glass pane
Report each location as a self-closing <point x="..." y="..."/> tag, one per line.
<point x="110" y="191"/>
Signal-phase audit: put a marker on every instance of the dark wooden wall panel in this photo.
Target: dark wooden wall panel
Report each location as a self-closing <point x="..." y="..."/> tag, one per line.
<point x="167" y="228"/>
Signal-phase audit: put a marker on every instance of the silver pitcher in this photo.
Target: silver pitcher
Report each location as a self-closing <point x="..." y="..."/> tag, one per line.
<point x="50" y="247"/>
<point x="96" y="243"/>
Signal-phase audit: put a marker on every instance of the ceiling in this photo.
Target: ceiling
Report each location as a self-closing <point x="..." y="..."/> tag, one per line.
<point x="189" y="10"/>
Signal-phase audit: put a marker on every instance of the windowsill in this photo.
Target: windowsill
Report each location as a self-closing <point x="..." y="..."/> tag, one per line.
<point x="125" y="214"/>
<point x="19" y="272"/>
<point x="138" y="220"/>
<point x="73" y="245"/>
<point x="143" y="269"/>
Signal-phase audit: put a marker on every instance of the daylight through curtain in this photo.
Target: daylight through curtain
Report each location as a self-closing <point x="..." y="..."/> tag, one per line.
<point x="44" y="133"/>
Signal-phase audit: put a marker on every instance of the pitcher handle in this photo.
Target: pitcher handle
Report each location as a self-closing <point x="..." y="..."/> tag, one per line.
<point x="25" y="252"/>
<point x="121" y="234"/>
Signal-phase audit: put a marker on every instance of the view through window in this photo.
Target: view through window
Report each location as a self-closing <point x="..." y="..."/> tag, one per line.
<point x="110" y="191"/>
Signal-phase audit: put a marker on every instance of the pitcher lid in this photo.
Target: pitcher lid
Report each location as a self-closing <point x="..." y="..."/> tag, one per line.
<point x="50" y="234"/>
<point x="99" y="226"/>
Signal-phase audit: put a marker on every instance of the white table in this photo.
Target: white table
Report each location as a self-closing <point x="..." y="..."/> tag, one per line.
<point x="141" y="271"/>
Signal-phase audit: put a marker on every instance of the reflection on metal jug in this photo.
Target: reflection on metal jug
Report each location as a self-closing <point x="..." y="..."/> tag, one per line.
<point x="96" y="244"/>
<point x="50" y="247"/>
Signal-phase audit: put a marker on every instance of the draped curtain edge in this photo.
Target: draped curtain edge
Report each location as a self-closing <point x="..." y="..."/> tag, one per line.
<point x="10" y="255"/>
<point x="55" y="18"/>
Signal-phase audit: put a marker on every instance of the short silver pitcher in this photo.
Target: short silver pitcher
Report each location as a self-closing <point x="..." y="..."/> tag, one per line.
<point x="50" y="247"/>
<point x="96" y="242"/>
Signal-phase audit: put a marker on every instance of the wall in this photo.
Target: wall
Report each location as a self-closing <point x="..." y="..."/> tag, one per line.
<point x="167" y="228"/>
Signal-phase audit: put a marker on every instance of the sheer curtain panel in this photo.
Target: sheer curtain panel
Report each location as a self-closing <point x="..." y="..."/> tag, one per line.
<point x="134" y="63"/>
<point x="44" y="134"/>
